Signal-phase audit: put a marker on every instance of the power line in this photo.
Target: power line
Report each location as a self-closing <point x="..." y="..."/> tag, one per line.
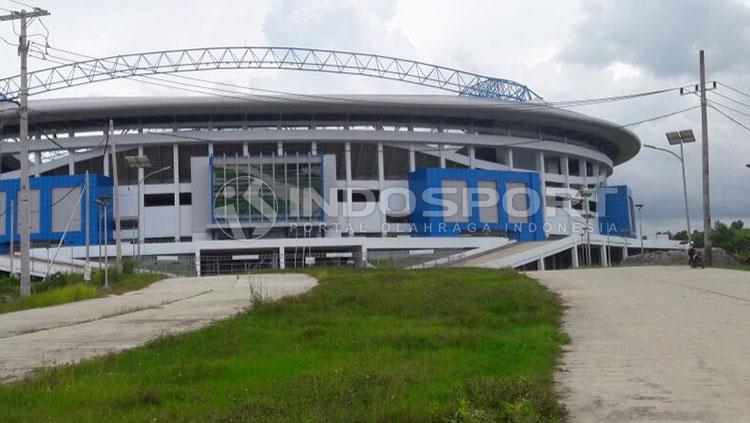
<point x="730" y="118"/>
<point x="729" y="108"/>
<point x="731" y="99"/>
<point x="734" y="89"/>
<point x="552" y="104"/>
<point x="660" y="117"/>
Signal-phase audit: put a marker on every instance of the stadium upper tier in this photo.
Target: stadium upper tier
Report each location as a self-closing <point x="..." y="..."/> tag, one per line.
<point x="74" y="117"/>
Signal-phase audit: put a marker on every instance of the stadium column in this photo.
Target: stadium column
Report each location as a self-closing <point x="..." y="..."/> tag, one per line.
<point x="176" y="185"/>
<point x="542" y="184"/>
<point x="282" y="259"/>
<point x="141" y="203"/>
<point x="381" y="178"/>
<point x="567" y="203"/>
<point x="509" y="158"/>
<point x="348" y="185"/>
<point x="37" y="163"/>
<point x="442" y="155"/>
<point x="412" y="158"/>
<point x="574" y="256"/>
<point x="603" y="254"/>
<point x="472" y="157"/>
<point x="71" y="162"/>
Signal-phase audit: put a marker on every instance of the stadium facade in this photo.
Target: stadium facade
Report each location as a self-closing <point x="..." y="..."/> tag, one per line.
<point x="228" y="184"/>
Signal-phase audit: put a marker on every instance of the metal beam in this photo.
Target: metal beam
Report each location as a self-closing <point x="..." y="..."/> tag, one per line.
<point x="284" y="58"/>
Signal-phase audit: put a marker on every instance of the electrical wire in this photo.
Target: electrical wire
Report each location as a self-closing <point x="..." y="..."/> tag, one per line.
<point x="729" y="108"/>
<point x="730" y="99"/>
<point x="551" y="104"/>
<point x="747" y="128"/>
<point x="738" y="91"/>
<point x="660" y="117"/>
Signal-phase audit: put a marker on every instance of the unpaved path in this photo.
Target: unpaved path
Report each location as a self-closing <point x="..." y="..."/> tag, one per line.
<point x="654" y="344"/>
<point x="72" y="332"/>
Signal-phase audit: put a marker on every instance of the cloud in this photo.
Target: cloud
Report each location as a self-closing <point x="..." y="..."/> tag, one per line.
<point x="661" y="37"/>
<point x="337" y="24"/>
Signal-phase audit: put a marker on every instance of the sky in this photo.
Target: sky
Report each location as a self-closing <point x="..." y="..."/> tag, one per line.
<point x="561" y="49"/>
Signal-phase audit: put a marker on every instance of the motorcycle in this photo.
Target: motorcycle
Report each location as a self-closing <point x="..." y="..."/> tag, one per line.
<point x="696" y="261"/>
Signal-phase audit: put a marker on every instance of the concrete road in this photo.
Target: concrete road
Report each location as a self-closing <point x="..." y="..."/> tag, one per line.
<point x="72" y="332"/>
<point x="652" y="344"/>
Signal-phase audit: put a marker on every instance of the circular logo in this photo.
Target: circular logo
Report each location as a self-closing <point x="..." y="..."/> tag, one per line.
<point x="245" y="202"/>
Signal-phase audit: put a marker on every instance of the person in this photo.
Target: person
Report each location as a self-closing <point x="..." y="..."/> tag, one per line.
<point x="691" y="252"/>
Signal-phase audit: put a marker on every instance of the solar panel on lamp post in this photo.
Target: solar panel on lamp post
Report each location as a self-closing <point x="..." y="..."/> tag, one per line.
<point x="680" y="137"/>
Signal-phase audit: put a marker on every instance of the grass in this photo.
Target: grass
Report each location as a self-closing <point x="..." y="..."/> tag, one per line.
<point x="61" y="288"/>
<point x="364" y="345"/>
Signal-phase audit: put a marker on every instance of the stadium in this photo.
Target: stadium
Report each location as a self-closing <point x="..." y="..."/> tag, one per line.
<point x="221" y="184"/>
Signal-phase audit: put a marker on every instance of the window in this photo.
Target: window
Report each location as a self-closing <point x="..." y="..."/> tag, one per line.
<point x="295" y="148"/>
<point x="389" y="218"/>
<point x="93" y="165"/>
<point x="186" y="198"/>
<point x="126" y="224"/>
<point x="360" y="195"/>
<point x="158" y="200"/>
<point x="488" y="201"/>
<point x="455" y="200"/>
<point x="395" y="162"/>
<point x="524" y="159"/>
<point x="422" y="160"/>
<point x="227" y="149"/>
<point x="574" y="166"/>
<point x="516" y="202"/>
<point x="262" y="149"/>
<point x="364" y="162"/>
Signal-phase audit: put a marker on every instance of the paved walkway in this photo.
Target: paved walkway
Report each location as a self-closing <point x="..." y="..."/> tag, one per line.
<point x="654" y="344"/>
<point x="72" y="332"/>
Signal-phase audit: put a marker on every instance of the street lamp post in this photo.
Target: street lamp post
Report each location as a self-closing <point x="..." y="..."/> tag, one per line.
<point x="681" y="138"/>
<point x="103" y="201"/>
<point x="640" y="225"/>
<point x="142" y="162"/>
<point x="586" y="193"/>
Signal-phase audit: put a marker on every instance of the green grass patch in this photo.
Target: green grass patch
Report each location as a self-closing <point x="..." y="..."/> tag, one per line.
<point x="61" y="288"/>
<point x="364" y="345"/>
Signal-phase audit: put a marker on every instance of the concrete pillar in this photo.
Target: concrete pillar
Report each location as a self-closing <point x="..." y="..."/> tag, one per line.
<point x="574" y="256"/>
<point x="279" y="148"/>
<point x="71" y="162"/>
<point x="282" y="259"/>
<point x="210" y="149"/>
<point x="314" y="148"/>
<point x="198" y="262"/>
<point x="38" y="163"/>
<point x="412" y="158"/>
<point x="176" y="185"/>
<point x="245" y="149"/>
<point x="442" y="155"/>
<point x="472" y="157"/>
<point x="605" y="259"/>
<point x="540" y="263"/>
<point x="509" y="157"/>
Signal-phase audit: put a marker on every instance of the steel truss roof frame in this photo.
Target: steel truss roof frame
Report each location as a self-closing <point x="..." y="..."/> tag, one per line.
<point x="284" y="58"/>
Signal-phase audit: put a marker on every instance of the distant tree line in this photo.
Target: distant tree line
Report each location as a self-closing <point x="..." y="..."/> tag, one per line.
<point x="733" y="238"/>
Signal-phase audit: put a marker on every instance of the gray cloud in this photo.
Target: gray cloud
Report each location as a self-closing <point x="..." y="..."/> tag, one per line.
<point x="662" y="36"/>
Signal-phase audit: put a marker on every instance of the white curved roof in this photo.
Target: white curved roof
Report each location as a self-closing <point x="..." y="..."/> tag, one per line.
<point x="619" y="143"/>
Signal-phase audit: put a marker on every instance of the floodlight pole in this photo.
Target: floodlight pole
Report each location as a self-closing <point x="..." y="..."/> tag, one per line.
<point x="706" y="185"/>
<point x="115" y="197"/>
<point x="23" y="138"/>
<point x="87" y="221"/>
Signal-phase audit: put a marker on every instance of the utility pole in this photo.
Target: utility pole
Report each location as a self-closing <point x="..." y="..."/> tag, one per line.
<point x="706" y="186"/>
<point x="23" y="138"/>
<point x="115" y="197"/>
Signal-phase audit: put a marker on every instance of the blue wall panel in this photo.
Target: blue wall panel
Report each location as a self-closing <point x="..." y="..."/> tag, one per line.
<point x="99" y="186"/>
<point x="427" y="219"/>
<point x="616" y="211"/>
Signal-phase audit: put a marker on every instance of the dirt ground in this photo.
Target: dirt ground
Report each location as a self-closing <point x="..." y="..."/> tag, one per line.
<point x="72" y="332"/>
<point x="653" y="344"/>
